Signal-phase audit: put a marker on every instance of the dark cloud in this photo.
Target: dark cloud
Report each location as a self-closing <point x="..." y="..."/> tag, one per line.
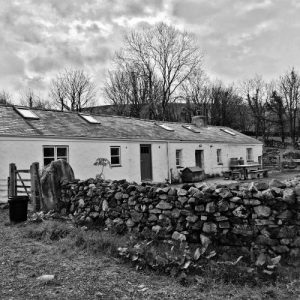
<point x="239" y="38"/>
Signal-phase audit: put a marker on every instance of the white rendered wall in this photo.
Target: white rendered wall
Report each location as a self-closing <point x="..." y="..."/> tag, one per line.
<point x="210" y="164"/>
<point x="82" y="155"/>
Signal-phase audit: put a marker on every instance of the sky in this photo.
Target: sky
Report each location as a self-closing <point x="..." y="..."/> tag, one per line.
<point x="239" y="38"/>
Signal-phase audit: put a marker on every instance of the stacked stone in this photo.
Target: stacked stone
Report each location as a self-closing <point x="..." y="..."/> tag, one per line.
<point x="259" y="216"/>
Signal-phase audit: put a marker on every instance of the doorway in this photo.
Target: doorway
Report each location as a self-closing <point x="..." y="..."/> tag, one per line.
<point x="199" y="158"/>
<point x="146" y="162"/>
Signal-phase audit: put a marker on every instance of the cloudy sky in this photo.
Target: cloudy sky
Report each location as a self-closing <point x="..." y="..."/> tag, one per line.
<point x="240" y="38"/>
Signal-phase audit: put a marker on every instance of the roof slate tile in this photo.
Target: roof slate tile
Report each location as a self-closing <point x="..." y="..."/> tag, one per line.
<point x="71" y="125"/>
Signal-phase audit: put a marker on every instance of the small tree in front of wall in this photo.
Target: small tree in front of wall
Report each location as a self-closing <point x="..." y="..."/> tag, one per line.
<point x="102" y="162"/>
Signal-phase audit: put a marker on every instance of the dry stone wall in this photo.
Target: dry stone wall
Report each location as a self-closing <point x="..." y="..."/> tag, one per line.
<point x="264" y="217"/>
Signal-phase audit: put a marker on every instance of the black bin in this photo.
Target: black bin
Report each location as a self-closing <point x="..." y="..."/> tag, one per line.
<point x="18" y="206"/>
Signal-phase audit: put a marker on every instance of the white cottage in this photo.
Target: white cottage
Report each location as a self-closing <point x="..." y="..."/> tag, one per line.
<point x="139" y="150"/>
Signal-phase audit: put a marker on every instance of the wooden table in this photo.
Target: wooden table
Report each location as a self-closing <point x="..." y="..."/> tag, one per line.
<point x="244" y="169"/>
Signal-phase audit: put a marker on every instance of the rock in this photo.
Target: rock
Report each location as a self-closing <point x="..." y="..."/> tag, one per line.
<point x="278" y="192"/>
<point x="81" y="203"/>
<point x="119" y="225"/>
<point x="236" y="199"/>
<point x="178" y="236"/>
<point x="209" y="227"/>
<point x="286" y="214"/>
<point x="163" y="196"/>
<point x="192" y="219"/>
<point x="118" y="196"/>
<point x="175" y="213"/>
<point x="191" y="200"/>
<point x="262" y="211"/>
<point x="156" y="228"/>
<point x="242" y="229"/>
<point x="210" y="207"/>
<point x="131" y="201"/>
<point x="251" y="202"/>
<point x="296" y="242"/>
<point x="199" y="208"/>
<point x="182" y="200"/>
<point x="265" y="240"/>
<point x="287" y="232"/>
<point x="94" y="215"/>
<point x="136" y="216"/>
<point x="182" y="192"/>
<point x="54" y="176"/>
<point x="46" y="278"/>
<point x="241" y="212"/>
<point x="221" y="218"/>
<point x="289" y="196"/>
<point x="223" y="206"/>
<point x="225" y="193"/>
<point x="105" y="205"/>
<point x="263" y="222"/>
<point x="155" y="211"/>
<point x="277" y="183"/>
<point x="261" y="259"/>
<point x="297" y="190"/>
<point x="164" y="205"/>
<point x="252" y="187"/>
<point x="281" y="249"/>
<point x="224" y="225"/>
<point x="267" y="194"/>
<point x="261" y="186"/>
<point x="129" y="223"/>
<point x="152" y="218"/>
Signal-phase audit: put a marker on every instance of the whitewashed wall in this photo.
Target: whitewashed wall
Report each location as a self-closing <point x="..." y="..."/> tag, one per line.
<point x="83" y="153"/>
<point x="210" y="155"/>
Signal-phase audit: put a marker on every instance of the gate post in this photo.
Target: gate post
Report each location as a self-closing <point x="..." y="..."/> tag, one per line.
<point x="36" y="193"/>
<point x="12" y="189"/>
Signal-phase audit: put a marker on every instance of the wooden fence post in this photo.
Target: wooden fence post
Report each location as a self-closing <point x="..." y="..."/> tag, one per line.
<point x="36" y="191"/>
<point x="12" y="190"/>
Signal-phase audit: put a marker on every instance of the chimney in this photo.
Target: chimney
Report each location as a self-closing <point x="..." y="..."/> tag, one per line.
<point x="199" y="121"/>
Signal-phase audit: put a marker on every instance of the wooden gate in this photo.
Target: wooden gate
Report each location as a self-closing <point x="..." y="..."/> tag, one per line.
<point x="25" y="182"/>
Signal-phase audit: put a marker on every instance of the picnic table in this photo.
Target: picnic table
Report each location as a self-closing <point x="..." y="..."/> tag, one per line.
<point x="243" y="171"/>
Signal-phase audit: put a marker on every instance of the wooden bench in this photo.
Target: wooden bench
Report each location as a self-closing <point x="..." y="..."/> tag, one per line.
<point x="258" y="174"/>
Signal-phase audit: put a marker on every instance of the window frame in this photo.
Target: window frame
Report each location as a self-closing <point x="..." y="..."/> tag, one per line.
<point x="219" y="157"/>
<point x="55" y="156"/>
<point x="179" y="158"/>
<point x="119" y="156"/>
<point x="249" y="154"/>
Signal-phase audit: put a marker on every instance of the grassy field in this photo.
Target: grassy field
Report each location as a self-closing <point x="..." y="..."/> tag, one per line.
<point x="86" y="266"/>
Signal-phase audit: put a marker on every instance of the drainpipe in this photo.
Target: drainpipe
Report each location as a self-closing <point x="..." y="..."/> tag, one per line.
<point x="168" y="163"/>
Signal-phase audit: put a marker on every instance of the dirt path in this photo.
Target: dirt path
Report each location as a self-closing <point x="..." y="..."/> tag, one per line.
<point x="79" y="275"/>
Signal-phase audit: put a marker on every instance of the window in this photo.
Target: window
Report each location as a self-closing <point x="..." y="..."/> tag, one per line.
<point x="51" y="153"/>
<point x="219" y="156"/>
<point x="26" y="113"/>
<point x="228" y="131"/>
<point x="178" y="158"/>
<point x="90" y="119"/>
<point x="165" y="126"/>
<point x="115" y="155"/>
<point x="249" y="154"/>
<point x="193" y="129"/>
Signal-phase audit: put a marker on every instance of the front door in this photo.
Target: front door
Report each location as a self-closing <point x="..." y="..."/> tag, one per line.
<point x="146" y="162"/>
<point x="199" y="158"/>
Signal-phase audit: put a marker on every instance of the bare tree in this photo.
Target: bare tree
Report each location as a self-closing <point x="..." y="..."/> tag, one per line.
<point x="73" y="90"/>
<point x="257" y="93"/>
<point x="5" y="97"/>
<point x="31" y="99"/>
<point x="165" y="58"/>
<point x="196" y="93"/>
<point x="225" y="106"/>
<point x="290" y="91"/>
<point x="277" y="109"/>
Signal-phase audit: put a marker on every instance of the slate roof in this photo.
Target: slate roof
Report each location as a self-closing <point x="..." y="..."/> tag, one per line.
<point x="70" y="125"/>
